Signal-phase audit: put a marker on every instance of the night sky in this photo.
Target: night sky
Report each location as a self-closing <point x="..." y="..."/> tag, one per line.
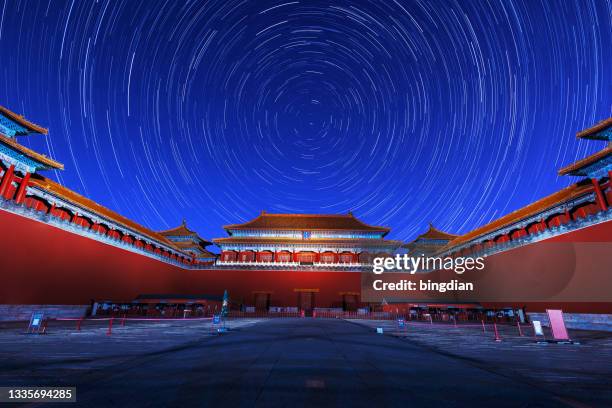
<point x="454" y="112"/>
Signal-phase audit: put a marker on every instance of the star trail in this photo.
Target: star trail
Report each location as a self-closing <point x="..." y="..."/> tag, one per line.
<point x="404" y="112"/>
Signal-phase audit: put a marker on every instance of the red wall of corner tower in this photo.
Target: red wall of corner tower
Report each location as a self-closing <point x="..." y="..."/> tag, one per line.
<point x="41" y="264"/>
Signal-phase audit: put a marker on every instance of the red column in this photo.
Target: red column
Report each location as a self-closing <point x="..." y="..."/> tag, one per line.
<point x="21" y="192"/>
<point x="543" y="224"/>
<point x="609" y="194"/>
<point x="7" y="179"/>
<point x="599" y="196"/>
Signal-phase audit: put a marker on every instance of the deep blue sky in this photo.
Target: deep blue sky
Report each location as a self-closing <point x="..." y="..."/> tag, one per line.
<point x="403" y="112"/>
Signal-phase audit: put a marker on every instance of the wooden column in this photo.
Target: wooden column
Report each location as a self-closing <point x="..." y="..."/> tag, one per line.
<point x="7" y="179"/>
<point x="21" y="192"/>
<point x="601" y="201"/>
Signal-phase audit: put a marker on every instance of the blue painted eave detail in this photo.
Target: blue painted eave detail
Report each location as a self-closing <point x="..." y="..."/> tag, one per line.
<point x="596" y="170"/>
<point x="19" y="157"/>
<point x="11" y="128"/>
<point x="605" y="134"/>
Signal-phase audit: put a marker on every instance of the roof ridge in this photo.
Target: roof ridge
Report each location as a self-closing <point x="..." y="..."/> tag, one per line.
<point x="183" y="225"/>
<point x="305" y="215"/>
<point x="301" y="221"/>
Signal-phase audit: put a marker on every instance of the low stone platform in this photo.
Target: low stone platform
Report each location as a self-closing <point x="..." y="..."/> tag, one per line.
<point x="24" y="312"/>
<point x="582" y="321"/>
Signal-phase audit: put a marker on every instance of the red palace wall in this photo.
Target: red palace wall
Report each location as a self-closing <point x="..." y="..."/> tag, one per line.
<point x="41" y="264"/>
<point x="572" y="271"/>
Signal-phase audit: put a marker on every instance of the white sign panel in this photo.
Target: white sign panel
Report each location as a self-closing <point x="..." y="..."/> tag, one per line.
<point x="537" y="327"/>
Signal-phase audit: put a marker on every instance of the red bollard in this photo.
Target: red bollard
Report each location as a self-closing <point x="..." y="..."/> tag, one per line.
<point x="518" y="324"/>
<point x="110" y="326"/>
<point x="302" y="314"/>
<point x="79" y="324"/>
<point x="483" y="326"/>
<point x="314" y="314"/>
<point x="497" y="338"/>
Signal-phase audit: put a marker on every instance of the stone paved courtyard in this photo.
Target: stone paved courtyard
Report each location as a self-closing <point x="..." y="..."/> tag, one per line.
<point x="307" y="362"/>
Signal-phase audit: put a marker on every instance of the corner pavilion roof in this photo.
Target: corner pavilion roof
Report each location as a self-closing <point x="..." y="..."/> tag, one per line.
<point x="31" y="154"/>
<point x="575" y="168"/>
<point x="299" y="222"/>
<point x="433" y="233"/>
<point x="601" y="131"/>
<point x="187" y="246"/>
<point x="20" y="120"/>
<point x="597" y="131"/>
<point x="183" y="231"/>
<point x="432" y="238"/>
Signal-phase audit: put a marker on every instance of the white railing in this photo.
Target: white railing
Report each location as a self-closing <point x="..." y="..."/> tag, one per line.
<point x="280" y="265"/>
<point x="256" y="263"/>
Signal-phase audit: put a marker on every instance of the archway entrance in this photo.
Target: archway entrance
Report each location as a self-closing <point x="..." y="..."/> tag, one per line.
<point x="350" y="301"/>
<point x="262" y="300"/>
<point x="306" y="300"/>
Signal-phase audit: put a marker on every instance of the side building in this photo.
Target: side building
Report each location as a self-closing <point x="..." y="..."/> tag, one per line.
<point x="190" y="242"/>
<point x="66" y="250"/>
<point x="558" y="249"/>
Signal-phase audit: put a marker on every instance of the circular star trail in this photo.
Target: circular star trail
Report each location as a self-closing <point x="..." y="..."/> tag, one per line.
<point x="402" y="112"/>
